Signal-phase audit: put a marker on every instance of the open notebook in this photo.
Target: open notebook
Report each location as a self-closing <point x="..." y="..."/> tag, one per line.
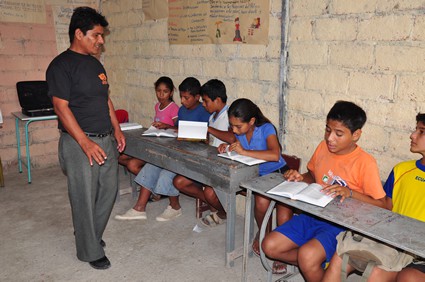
<point x="153" y="131"/>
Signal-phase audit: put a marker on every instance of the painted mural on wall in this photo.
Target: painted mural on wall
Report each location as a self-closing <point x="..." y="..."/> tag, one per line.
<point x="218" y="21"/>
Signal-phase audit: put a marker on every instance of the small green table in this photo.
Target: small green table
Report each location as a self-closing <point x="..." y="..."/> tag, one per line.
<point x="28" y="120"/>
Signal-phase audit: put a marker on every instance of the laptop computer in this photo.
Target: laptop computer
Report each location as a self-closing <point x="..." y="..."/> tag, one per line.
<point x="33" y="98"/>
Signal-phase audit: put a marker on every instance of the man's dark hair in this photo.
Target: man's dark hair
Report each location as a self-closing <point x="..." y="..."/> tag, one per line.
<point x="85" y="18"/>
<point x="214" y="89"/>
<point x="348" y="113"/>
<point x="420" y="118"/>
<point x="191" y="85"/>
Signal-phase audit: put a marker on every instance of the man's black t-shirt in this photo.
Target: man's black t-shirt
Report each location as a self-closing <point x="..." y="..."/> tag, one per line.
<point x="81" y="80"/>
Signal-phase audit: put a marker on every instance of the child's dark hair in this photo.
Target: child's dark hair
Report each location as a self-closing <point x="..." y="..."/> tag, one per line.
<point x="168" y="83"/>
<point x="420" y="118"/>
<point x="214" y="89"/>
<point x="85" y="18"/>
<point x="191" y="85"/>
<point x="348" y="113"/>
<point x="245" y="109"/>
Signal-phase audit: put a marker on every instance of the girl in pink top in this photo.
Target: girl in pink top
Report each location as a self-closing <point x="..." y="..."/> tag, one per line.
<point x="165" y="110"/>
<point x="165" y="116"/>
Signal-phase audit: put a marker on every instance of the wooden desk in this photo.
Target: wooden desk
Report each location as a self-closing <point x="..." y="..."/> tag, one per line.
<point x="198" y="161"/>
<point x="19" y="116"/>
<point x="399" y="231"/>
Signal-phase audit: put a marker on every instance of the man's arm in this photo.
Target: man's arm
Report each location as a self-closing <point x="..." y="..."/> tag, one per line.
<point x="119" y="136"/>
<point x="67" y="118"/>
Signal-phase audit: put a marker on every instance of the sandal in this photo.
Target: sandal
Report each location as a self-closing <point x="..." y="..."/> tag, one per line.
<point x="279" y="267"/>
<point x="256" y="244"/>
<point x="212" y="220"/>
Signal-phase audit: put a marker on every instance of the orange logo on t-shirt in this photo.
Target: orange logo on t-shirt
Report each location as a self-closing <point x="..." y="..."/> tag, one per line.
<point x="102" y="77"/>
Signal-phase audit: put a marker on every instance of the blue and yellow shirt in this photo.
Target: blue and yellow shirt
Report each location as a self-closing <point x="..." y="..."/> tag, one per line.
<point x="406" y="187"/>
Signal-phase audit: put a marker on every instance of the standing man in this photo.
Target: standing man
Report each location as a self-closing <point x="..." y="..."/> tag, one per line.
<point x="88" y="152"/>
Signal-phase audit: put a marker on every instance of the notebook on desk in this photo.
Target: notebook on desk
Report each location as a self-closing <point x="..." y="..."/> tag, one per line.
<point x="33" y="98"/>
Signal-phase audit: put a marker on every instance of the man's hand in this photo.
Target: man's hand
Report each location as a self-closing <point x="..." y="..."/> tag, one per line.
<point x="93" y="152"/>
<point x="120" y="140"/>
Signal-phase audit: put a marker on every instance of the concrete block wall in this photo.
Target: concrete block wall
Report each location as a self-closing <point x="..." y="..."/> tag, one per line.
<point x="369" y="52"/>
<point x="138" y="53"/>
<point x="25" y="52"/>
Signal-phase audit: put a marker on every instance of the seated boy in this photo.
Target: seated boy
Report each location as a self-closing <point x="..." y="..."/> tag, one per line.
<point x="214" y="101"/>
<point x="153" y="179"/>
<point x="405" y="191"/>
<point x="344" y="170"/>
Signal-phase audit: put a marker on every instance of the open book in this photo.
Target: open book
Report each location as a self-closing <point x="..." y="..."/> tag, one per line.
<point x="153" y="131"/>
<point x="309" y="193"/>
<point x="130" y="125"/>
<point x="242" y="159"/>
<point x="192" y="130"/>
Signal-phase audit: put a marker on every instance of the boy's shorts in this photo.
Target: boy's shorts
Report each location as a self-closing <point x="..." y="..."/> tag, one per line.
<point x="302" y="228"/>
<point x="157" y="180"/>
<point x="418" y="265"/>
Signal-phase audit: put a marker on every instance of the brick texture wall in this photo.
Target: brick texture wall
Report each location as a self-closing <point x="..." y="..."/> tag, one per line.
<point x="138" y="53"/>
<point x="369" y="52"/>
<point x="25" y="52"/>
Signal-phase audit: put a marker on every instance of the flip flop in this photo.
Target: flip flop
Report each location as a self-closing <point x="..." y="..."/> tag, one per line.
<point x="279" y="267"/>
<point x="256" y="244"/>
<point x="212" y="220"/>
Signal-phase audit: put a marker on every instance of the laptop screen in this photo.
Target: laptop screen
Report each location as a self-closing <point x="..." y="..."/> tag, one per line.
<point x="33" y="95"/>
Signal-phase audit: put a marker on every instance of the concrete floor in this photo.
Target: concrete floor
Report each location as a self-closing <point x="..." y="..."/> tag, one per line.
<point x="37" y="242"/>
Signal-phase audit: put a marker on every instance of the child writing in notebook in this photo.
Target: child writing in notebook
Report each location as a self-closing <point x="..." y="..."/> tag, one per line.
<point x="255" y="136"/>
<point x="165" y="116"/>
<point x="154" y="179"/>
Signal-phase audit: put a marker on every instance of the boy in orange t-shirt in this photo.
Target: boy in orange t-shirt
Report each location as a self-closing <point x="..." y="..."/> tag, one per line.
<point x="343" y="169"/>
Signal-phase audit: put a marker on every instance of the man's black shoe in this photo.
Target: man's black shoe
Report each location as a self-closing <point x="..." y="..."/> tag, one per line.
<point x="102" y="263"/>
